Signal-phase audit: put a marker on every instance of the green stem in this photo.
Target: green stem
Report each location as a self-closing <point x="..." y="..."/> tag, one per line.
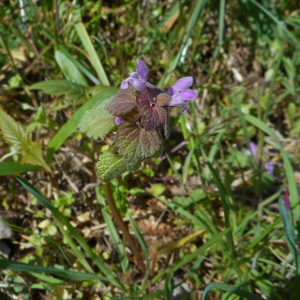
<point x="111" y="202"/>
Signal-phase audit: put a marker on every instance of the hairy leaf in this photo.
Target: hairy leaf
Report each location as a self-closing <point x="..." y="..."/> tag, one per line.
<point x="112" y="165"/>
<point x="15" y="134"/>
<point x="73" y="91"/>
<point x="123" y="102"/>
<point x="163" y="99"/>
<point x="136" y="143"/>
<point x="152" y="116"/>
<point x="97" y="121"/>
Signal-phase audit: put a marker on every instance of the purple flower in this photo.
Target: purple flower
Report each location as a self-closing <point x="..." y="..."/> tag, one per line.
<point x="270" y="167"/>
<point x="137" y="79"/>
<point x="180" y="94"/>
<point x="119" y="121"/>
<point x="253" y="149"/>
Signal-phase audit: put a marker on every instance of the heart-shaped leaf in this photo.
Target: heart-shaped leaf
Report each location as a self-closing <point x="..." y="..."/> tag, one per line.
<point x="123" y="102"/>
<point x="152" y="116"/>
<point x="112" y="165"/>
<point x="136" y="143"/>
<point x="97" y="121"/>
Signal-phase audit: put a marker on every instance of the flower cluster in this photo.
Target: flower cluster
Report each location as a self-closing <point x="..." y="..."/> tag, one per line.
<point x="137" y="112"/>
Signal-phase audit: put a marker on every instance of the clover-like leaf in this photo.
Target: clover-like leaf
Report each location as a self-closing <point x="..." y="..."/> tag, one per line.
<point x="97" y="122"/>
<point x="111" y="165"/>
<point x="122" y="103"/>
<point x="151" y="115"/>
<point x="136" y="143"/>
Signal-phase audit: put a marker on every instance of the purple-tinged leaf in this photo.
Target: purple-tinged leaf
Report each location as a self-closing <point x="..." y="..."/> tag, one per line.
<point x="163" y="99"/>
<point x="122" y="103"/>
<point x="135" y="143"/>
<point x="151" y="115"/>
<point x="153" y="92"/>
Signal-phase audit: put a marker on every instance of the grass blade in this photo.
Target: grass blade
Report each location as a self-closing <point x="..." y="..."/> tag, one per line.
<point x="69" y="69"/>
<point x="6" y="264"/>
<point x="12" y="167"/>
<point x="289" y="230"/>
<point x="230" y="289"/>
<point x="87" y="44"/>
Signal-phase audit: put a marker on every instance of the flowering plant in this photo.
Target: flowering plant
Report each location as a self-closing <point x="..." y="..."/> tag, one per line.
<point x="137" y="112"/>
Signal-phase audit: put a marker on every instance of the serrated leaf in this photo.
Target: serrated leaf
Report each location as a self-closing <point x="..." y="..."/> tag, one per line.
<point x="152" y="116"/>
<point x="112" y="165"/>
<point x="123" y="102"/>
<point x="97" y="122"/>
<point x="73" y="91"/>
<point x="137" y="144"/>
<point x="15" y="134"/>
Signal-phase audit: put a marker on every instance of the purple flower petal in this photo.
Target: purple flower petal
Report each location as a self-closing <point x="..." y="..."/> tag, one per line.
<point x="270" y="167"/>
<point x="124" y="84"/>
<point x="119" y="121"/>
<point x="253" y="149"/>
<point x="176" y="101"/>
<point x="183" y="83"/>
<point x="142" y="69"/>
<point x="188" y="95"/>
<point x="184" y="110"/>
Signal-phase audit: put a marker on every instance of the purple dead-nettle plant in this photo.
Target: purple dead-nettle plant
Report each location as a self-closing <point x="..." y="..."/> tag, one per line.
<point x="137" y="113"/>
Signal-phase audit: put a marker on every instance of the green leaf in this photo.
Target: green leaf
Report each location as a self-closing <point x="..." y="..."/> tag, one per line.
<point x="122" y="103"/>
<point x="69" y="69"/>
<point x="97" y="122"/>
<point x="67" y="129"/>
<point x="6" y="264"/>
<point x="136" y="143"/>
<point x="12" y="167"/>
<point x="73" y="91"/>
<point x="230" y="289"/>
<point x="157" y="189"/>
<point x="87" y="44"/>
<point x="112" y="165"/>
<point x="15" y="134"/>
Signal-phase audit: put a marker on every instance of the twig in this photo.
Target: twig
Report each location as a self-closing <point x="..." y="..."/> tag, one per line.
<point x="111" y="202"/>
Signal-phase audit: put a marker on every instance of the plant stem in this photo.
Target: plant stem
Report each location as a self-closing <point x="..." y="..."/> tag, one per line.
<point x="111" y="202"/>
